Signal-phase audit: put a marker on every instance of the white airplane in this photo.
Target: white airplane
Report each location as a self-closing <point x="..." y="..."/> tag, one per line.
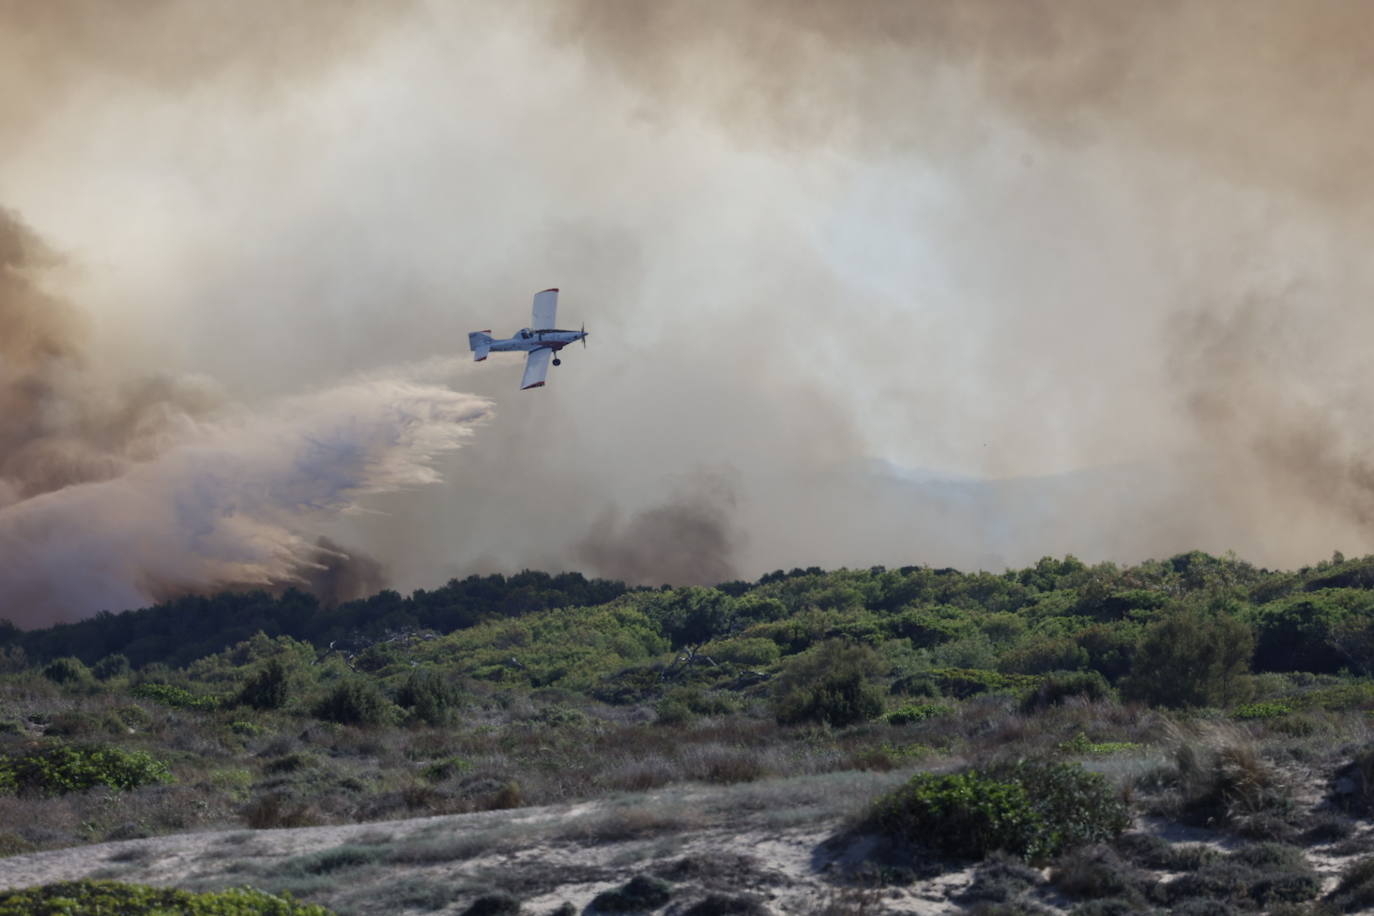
<point x="541" y="340"/>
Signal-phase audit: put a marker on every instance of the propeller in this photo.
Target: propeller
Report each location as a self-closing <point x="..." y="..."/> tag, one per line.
<point x="584" y="335"/>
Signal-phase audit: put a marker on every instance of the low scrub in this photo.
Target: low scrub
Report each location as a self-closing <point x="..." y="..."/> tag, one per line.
<point x="1267" y="710"/>
<point x="57" y="768"/>
<point x="97" y="897"/>
<point x="1224" y="782"/>
<point x="1032" y="809"/>
<point x="1059" y="686"/>
<point x="1264" y="875"/>
<point x="833" y="683"/>
<point x="175" y="697"/>
<point x="918" y="712"/>
<point x="1354" y="893"/>
<point x="1352" y="788"/>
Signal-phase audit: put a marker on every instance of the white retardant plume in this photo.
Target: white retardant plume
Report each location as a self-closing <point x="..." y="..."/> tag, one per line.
<point x="235" y="503"/>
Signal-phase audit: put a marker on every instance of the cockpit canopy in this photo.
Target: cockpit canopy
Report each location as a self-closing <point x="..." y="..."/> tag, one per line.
<point x="526" y="333"/>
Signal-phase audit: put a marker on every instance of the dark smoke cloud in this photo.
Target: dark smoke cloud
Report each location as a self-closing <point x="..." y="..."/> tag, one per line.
<point x="336" y="574"/>
<point x="62" y="425"/>
<point x="692" y="539"/>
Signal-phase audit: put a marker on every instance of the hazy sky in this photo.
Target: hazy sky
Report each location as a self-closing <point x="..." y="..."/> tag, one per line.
<point x="813" y="242"/>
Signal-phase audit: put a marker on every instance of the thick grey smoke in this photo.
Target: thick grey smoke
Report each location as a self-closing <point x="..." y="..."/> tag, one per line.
<point x="951" y="282"/>
<point x="691" y="537"/>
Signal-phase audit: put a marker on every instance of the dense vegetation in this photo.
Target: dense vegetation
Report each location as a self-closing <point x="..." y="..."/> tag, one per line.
<point x="1179" y="688"/>
<point x="111" y="898"/>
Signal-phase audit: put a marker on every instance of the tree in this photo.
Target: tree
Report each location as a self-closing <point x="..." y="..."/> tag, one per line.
<point x="267" y="689"/>
<point x="833" y="683"/>
<point x="692" y="616"/>
<point x="1191" y="658"/>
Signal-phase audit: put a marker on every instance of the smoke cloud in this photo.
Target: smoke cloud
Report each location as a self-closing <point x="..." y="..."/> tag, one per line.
<point x="690" y="538"/>
<point x="961" y="283"/>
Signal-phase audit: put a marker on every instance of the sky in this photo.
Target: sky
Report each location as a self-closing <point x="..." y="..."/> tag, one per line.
<point x="872" y="283"/>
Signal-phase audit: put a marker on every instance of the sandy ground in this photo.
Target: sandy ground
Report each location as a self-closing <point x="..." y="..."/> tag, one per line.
<point x="770" y="843"/>
<point x="779" y="846"/>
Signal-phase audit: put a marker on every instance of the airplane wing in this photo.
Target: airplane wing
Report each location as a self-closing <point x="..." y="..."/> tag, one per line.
<point x="536" y="367"/>
<point x="545" y="305"/>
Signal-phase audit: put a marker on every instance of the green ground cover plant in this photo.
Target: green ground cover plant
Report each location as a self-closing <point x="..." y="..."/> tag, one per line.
<point x="111" y="898"/>
<point x="54" y="768"/>
<point x="1030" y="808"/>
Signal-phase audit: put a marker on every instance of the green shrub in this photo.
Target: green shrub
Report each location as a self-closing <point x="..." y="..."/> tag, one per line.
<point x="175" y="697"/>
<point x="354" y="701"/>
<point x="1192" y="659"/>
<point x="447" y="768"/>
<point x="111" y="666"/>
<point x="1079" y="744"/>
<point x="56" y="768"/>
<point x="1265" y="710"/>
<point x="1043" y="655"/>
<point x="672" y="711"/>
<point x="918" y="712"/>
<point x="428" y="697"/>
<point x="961" y="683"/>
<point x="67" y="671"/>
<point x="746" y="651"/>
<point x="963" y="814"/>
<point x="1058" y="686"/>
<point x="98" y="898"/>
<point x="268" y="688"/>
<point x="1029" y="808"/>
<point x="833" y="683"/>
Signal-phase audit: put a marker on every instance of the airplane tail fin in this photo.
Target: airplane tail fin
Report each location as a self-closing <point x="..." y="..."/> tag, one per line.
<point x="480" y="341"/>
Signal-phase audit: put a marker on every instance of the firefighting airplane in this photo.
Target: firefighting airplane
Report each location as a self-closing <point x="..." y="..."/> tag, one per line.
<point x="541" y="339"/>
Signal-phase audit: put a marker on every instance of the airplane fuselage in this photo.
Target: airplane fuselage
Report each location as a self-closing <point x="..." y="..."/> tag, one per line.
<point x="527" y="339"/>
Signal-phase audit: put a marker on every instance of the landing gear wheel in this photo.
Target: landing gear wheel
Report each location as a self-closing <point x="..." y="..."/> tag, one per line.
<point x="558" y="362"/>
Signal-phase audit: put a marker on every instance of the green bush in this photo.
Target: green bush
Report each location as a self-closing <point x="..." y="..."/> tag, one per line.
<point x="1029" y="808"/>
<point x="1058" y="686"/>
<point x="1080" y="744"/>
<point x="354" y="701"/>
<point x="1044" y="654"/>
<point x="961" y="683"/>
<point x="56" y="768"/>
<point x="428" y="696"/>
<point x="963" y="814"/>
<point x="268" y="688"/>
<point x="1266" y="710"/>
<point x="1192" y="659"/>
<point x="111" y="666"/>
<point x="832" y="683"/>
<point x="918" y="712"/>
<point x="175" y="697"/>
<point x="746" y="651"/>
<point x="66" y="671"/>
<point x="111" y="898"/>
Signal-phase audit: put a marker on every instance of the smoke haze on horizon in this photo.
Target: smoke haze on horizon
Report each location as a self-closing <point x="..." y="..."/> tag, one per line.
<point x="1096" y="269"/>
